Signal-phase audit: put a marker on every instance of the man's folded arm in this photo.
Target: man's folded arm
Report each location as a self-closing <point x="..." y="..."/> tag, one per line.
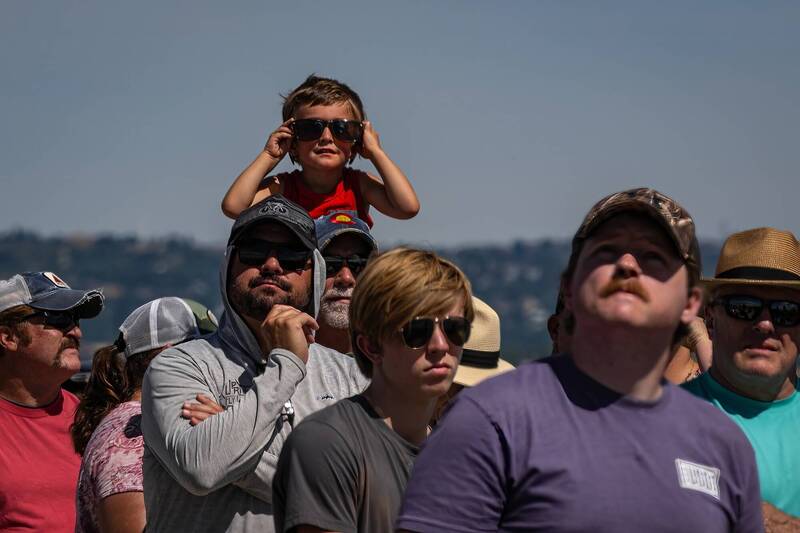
<point x="227" y="446"/>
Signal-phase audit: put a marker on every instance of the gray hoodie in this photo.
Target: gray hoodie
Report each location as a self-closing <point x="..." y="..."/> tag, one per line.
<point x="217" y="476"/>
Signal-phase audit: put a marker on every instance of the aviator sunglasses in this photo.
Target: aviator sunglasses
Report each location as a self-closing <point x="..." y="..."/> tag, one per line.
<point x="784" y="313"/>
<point x="333" y="264"/>
<point x="61" y="320"/>
<point x="419" y="331"/>
<point x="290" y="257"/>
<point x="310" y="129"/>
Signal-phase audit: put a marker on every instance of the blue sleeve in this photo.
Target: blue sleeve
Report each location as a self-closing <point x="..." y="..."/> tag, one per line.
<point x="458" y="482"/>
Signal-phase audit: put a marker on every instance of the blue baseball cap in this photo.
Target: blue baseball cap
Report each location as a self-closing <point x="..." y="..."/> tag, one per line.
<point x="48" y="292"/>
<point x="339" y="222"/>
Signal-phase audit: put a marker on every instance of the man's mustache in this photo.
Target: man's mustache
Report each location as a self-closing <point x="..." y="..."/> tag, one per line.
<point x="70" y="342"/>
<point x="334" y="293"/>
<point x="258" y="280"/>
<point x="630" y="285"/>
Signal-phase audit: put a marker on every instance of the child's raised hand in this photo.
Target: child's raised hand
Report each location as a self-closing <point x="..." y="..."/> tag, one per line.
<point x="370" y="142"/>
<point x="280" y="141"/>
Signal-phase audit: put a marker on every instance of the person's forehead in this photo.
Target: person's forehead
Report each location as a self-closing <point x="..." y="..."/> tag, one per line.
<point x="347" y="244"/>
<point x="325" y="111"/>
<point x="760" y="291"/>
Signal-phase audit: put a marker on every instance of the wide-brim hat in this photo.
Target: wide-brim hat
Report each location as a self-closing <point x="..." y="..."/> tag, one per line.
<point x="760" y="256"/>
<point x="481" y="356"/>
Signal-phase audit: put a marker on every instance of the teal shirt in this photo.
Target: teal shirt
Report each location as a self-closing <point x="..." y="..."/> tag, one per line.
<point x="773" y="429"/>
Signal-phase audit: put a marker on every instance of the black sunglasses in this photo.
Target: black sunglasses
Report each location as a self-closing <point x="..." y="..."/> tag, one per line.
<point x="333" y="264"/>
<point x="419" y="331"/>
<point x="290" y="256"/>
<point x="784" y="313"/>
<point x="310" y="129"/>
<point x="61" y="320"/>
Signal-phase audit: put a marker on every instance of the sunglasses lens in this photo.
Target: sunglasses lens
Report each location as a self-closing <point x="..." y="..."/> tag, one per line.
<point x="743" y="307"/>
<point x="346" y="130"/>
<point x="334" y="264"/>
<point x="418" y="332"/>
<point x="308" y="129"/>
<point x="785" y="313"/>
<point x="291" y="260"/>
<point x="252" y="256"/>
<point x="457" y="330"/>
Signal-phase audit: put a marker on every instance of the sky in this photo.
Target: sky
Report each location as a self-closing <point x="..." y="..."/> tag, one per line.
<point x="510" y="118"/>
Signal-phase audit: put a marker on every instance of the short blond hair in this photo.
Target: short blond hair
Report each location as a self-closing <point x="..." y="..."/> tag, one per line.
<point x="399" y="285"/>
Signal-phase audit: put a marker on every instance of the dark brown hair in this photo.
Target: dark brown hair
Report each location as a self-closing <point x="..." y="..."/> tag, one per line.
<point x="113" y="381"/>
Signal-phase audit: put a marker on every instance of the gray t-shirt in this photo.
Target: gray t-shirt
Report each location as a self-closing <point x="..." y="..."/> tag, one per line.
<point x="547" y="448"/>
<point x="342" y="469"/>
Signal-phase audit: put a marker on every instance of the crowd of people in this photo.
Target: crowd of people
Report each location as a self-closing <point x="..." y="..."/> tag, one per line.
<point x="348" y="389"/>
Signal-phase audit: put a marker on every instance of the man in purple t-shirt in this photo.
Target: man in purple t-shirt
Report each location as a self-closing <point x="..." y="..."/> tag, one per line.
<point x="595" y="440"/>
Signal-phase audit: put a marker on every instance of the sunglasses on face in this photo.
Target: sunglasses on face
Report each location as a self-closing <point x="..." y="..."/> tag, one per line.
<point x="61" y="320"/>
<point x="784" y="313"/>
<point x="333" y="264"/>
<point x="290" y="256"/>
<point x="310" y="129"/>
<point x="419" y="331"/>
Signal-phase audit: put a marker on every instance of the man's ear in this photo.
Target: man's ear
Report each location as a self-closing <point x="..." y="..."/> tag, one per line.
<point x="369" y="348"/>
<point x="693" y="303"/>
<point x="9" y="340"/>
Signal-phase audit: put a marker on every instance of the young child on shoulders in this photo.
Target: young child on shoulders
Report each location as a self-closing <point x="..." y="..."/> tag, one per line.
<point x="324" y="128"/>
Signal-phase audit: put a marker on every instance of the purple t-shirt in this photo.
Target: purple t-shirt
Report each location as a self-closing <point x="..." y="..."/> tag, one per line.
<point x="547" y="448"/>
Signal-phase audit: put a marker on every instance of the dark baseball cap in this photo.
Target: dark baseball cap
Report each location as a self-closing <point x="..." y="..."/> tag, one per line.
<point x="276" y="208"/>
<point x="48" y="292"/>
<point x="668" y="213"/>
<point x="340" y="222"/>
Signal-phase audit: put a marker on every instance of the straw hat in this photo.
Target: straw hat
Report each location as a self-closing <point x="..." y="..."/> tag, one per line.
<point x="481" y="356"/>
<point x="761" y="256"/>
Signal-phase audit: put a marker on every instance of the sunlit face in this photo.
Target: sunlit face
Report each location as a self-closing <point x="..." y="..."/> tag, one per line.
<point x="428" y="371"/>
<point x="253" y="290"/>
<point x="339" y="286"/>
<point x="747" y="352"/>
<point x="629" y="273"/>
<point x="326" y="153"/>
<point x="52" y="350"/>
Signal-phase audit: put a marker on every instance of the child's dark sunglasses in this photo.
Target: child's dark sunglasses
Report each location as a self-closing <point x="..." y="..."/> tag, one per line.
<point x="256" y="253"/>
<point x="61" y="320"/>
<point x="333" y="264"/>
<point x="419" y="331"/>
<point x="310" y="129"/>
<point x="784" y="313"/>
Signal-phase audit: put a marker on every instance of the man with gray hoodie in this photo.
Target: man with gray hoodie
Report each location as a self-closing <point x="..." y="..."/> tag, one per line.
<point x="262" y="366"/>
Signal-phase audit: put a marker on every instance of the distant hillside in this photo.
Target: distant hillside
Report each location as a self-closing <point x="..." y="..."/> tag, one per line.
<point x="519" y="280"/>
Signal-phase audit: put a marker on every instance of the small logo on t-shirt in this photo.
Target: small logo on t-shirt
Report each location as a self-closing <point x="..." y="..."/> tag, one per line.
<point x="326" y="396"/>
<point x="698" y="477"/>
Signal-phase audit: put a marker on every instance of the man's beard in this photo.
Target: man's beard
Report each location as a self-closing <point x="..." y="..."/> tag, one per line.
<point x="333" y="312"/>
<point x="257" y="305"/>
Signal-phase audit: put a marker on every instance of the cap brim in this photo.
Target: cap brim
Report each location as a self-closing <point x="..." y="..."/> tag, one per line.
<point x="711" y="283"/>
<point x="368" y="238"/>
<point x="469" y="376"/>
<point x="86" y="304"/>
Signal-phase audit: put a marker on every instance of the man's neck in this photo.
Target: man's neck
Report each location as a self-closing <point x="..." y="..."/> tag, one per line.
<point x="407" y="414"/>
<point x="756" y="387"/>
<point x="330" y="337"/>
<point x="626" y="360"/>
<point x="30" y="392"/>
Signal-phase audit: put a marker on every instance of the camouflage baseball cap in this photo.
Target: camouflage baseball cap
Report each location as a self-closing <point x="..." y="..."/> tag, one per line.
<point x="667" y="212"/>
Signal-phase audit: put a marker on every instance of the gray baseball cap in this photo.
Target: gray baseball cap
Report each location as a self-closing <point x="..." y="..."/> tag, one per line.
<point x="48" y="292"/>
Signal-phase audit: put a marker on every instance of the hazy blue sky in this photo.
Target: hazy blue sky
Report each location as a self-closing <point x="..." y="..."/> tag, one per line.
<point x="510" y="118"/>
